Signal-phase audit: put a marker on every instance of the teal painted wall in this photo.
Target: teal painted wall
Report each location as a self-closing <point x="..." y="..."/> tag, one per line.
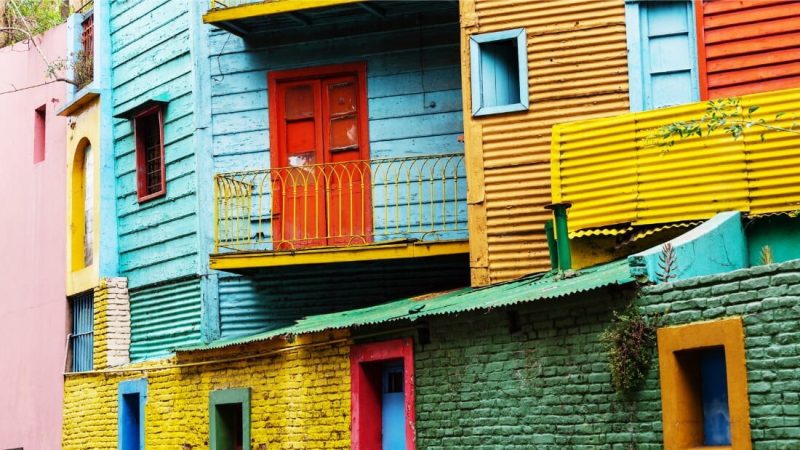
<point x="150" y="55"/>
<point x="780" y="233"/>
<point x="270" y="298"/>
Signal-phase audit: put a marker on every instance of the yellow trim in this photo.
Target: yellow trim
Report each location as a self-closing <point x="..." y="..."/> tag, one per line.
<point x="326" y="255"/>
<point x="473" y="158"/>
<point x="683" y="421"/>
<point x="85" y="126"/>
<point x="269" y="8"/>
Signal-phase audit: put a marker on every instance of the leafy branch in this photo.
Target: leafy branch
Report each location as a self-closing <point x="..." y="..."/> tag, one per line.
<point x="727" y="115"/>
<point x="630" y="342"/>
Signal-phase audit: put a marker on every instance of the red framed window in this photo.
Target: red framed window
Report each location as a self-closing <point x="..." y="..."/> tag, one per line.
<point x="382" y="395"/>
<point x="151" y="179"/>
<point x="39" y="133"/>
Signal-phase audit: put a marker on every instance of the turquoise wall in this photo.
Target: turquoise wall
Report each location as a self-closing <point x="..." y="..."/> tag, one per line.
<point x="780" y="233"/>
<point x="150" y="56"/>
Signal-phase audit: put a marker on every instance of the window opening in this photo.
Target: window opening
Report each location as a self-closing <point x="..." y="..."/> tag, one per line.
<point x="39" y="133"/>
<point x="229" y="427"/>
<point x="150" y="154"/>
<point x="499" y="72"/>
<point x="88" y="205"/>
<point x="129" y="415"/>
<point x="706" y="373"/>
<point x="230" y="419"/>
<point x="82" y="333"/>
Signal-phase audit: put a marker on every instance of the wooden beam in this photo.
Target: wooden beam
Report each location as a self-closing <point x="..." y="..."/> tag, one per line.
<point x="269" y="8"/>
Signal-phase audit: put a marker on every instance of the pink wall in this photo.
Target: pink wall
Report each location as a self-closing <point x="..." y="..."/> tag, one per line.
<point x="33" y="309"/>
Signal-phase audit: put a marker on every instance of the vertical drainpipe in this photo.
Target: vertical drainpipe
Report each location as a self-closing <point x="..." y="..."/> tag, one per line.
<point x="562" y="234"/>
<point x="551" y="244"/>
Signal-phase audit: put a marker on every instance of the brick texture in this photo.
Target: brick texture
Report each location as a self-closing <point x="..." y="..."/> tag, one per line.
<point x="547" y="386"/>
<point x="299" y="399"/>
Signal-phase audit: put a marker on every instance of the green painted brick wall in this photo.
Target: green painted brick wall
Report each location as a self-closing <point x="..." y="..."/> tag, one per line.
<point x="547" y="386"/>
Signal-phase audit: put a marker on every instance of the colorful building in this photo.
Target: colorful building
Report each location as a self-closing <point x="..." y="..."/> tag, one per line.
<point x="330" y="225"/>
<point x="32" y="311"/>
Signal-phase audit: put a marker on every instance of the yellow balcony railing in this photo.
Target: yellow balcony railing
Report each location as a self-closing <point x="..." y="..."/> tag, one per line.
<point x="278" y="6"/>
<point x="341" y="204"/>
<point x="614" y="171"/>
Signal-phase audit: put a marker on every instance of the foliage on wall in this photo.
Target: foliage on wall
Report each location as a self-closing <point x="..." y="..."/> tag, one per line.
<point x="631" y="344"/>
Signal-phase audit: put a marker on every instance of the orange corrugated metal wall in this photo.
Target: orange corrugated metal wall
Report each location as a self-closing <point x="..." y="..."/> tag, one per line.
<point x="748" y="46"/>
<point x="577" y="69"/>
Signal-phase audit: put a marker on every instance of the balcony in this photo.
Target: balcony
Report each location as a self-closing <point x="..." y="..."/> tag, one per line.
<point x="621" y="179"/>
<point x="270" y="19"/>
<point x="349" y="211"/>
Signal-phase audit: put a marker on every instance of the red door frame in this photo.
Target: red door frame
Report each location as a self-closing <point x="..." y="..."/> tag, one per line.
<point x="276" y="137"/>
<point x="365" y="404"/>
<point x="702" y="65"/>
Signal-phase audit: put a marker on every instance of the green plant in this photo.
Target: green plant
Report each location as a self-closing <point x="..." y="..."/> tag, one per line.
<point x="23" y="19"/>
<point x="631" y="344"/>
<point x="83" y="68"/>
<point x="727" y="115"/>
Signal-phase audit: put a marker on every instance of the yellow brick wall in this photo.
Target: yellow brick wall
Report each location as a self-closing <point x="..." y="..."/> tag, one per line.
<point x="300" y="398"/>
<point x="100" y="326"/>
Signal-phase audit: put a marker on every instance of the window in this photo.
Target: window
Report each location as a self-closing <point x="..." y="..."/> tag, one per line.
<point x="82" y="333"/>
<point x="82" y="236"/>
<point x="704" y="385"/>
<point x="662" y="53"/>
<point x="383" y="395"/>
<point x="84" y="60"/>
<point x="150" y="170"/>
<point x="499" y="66"/>
<point x="39" y="134"/>
<point x="132" y="397"/>
<point x="229" y="416"/>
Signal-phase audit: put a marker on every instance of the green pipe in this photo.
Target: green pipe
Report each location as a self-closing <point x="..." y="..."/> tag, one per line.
<point x="551" y="244"/>
<point x="562" y="234"/>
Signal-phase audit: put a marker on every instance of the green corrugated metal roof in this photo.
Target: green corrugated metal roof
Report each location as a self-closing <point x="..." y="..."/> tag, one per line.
<point x="527" y="289"/>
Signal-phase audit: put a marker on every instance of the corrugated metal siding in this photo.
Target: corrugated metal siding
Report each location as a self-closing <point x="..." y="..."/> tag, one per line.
<point x="577" y="63"/>
<point x="611" y="177"/>
<point x="275" y="297"/>
<point x="751" y="46"/>
<point x="164" y="317"/>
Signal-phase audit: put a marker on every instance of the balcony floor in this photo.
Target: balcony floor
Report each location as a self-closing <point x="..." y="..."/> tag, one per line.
<point x="235" y="261"/>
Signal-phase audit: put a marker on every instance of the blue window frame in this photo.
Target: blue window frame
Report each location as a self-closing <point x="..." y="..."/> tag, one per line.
<point x="499" y="72"/>
<point x="131" y="401"/>
<point x="82" y="331"/>
<point x="662" y="53"/>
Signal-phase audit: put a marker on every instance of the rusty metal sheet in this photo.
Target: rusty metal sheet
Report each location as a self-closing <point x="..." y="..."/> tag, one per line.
<point x="577" y="68"/>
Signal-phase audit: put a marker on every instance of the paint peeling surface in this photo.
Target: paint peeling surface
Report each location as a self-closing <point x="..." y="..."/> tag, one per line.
<point x="532" y="288"/>
<point x="613" y="171"/>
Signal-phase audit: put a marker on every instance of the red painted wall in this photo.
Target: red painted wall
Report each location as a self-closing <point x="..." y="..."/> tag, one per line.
<point x="33" y="310"/>
<point x="748" y="46"/>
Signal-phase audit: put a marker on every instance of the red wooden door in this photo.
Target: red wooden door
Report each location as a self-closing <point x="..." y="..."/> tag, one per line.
<point x="321" y="173"/>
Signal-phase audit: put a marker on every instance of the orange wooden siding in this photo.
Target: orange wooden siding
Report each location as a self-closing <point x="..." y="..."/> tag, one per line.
<point x="748" y="46"/>
<point x="577" y="69"/>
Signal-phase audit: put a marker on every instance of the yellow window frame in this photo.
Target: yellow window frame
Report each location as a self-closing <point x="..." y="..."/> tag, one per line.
<point x="683" y="421"/>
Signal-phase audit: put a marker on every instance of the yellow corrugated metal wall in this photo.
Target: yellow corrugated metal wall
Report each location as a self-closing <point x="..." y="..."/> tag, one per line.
<point x="613" y="170"/>
<point x="577" y="68"/>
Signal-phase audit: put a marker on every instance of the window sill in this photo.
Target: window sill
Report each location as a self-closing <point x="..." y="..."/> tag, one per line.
<point x="82" y="98"/>
<point x="153" y="196"/>
<point x="492" y="110"/>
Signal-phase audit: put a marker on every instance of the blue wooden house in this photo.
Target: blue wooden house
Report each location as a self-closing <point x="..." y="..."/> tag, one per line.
<point x="281" y="159"/>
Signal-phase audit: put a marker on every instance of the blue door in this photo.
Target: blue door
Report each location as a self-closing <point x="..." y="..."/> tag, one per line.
<point x="393" y="412"/>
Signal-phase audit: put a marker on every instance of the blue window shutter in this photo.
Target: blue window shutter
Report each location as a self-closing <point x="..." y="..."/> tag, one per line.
<point x="499" y="72"/>
<point x="662" y="54"/>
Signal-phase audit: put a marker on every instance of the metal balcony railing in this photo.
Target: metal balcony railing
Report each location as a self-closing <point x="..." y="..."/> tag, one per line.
<point x="341" y="204"/>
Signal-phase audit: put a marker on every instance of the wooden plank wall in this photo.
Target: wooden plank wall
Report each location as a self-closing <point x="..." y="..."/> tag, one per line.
<point x="150" y="56"/>
<point x="414" y="91"/>
<point x="748" y="46"/>
<point x="577" y="69"/>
